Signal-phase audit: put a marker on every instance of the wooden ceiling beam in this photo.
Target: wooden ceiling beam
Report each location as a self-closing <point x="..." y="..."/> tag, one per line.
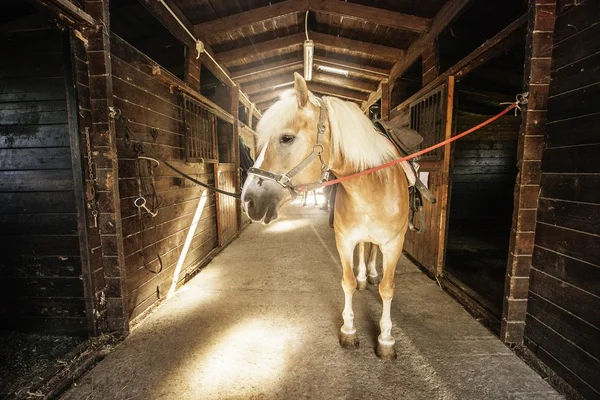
<point x="237" y="21"/>
<point x="378" y="73"/>
<point x="261" y="48"/>
<point x="265" y="69"/>
<point x="447" y="14"/>
<point x="371" y="49"/>
<point x="328" y="79"/>
<point x="337" y="80"/>
<point x="330" y="7"/>
<point x="320" y="40"/>
<point x="269" y="83"/>
<point x="315" y="87"/>
<point x="376" y="15"/>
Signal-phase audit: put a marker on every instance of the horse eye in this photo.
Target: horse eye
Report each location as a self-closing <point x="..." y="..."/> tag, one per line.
<point x="286" y="139"/>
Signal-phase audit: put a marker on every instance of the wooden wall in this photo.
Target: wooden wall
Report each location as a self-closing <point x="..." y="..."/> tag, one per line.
<point x="155" y="118"/>
<point x="484" y="170"/>
<point x="563" y="315"/>
<point x="40" y="267"/>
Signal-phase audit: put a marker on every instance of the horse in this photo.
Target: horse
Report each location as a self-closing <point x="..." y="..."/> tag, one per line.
<point x="301" y="137"/>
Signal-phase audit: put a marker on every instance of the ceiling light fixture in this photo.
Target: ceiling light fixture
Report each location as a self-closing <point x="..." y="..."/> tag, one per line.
<point x="332" y="70"/>
<point x="309" y="51"/>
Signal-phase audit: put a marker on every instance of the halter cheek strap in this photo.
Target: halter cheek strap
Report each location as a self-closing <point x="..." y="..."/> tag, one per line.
<point x="317" y="152"/>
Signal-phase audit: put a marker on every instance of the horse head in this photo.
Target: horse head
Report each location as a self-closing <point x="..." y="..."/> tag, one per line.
<point x="288" y="135"/>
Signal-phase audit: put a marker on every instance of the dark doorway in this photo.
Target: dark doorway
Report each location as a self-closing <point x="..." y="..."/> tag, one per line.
<point x="483" y="174"/>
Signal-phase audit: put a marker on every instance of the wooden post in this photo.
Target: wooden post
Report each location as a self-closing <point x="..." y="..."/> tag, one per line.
<point x="385" y="101"/>
<point x="431" y="62"/>
<point x="445" y="174"/>
<point x="235" y="106"/>
<point x="106" y="241"/>
<point x="538" y="53"/>
<point x="192" y="69"/>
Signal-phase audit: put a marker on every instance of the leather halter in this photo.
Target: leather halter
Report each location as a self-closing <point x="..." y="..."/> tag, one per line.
<point x="285" y="179"/>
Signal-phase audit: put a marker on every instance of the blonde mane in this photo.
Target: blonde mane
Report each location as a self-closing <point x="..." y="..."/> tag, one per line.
<point x="353" y="136"/>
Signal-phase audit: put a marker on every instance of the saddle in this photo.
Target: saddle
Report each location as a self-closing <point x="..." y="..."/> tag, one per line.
<point x="407" y="142"/>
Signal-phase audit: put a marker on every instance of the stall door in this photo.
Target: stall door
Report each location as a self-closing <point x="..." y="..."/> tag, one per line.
<point x="431" y="116"/>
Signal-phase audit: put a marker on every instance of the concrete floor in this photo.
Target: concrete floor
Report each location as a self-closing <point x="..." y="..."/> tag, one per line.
<point x="262" y="320"/>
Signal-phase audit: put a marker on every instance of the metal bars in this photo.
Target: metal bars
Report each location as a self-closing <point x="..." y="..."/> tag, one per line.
<point x="427" y="116"/>
<point x="199" y="126"/>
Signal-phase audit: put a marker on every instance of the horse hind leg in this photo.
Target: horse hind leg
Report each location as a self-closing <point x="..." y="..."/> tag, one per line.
<point x="348" y="336"/>
<point x="385" y="341"/>
<point x="373" y="277"/>
<point x="315" y="197"/>
<point x="361" y="277"/>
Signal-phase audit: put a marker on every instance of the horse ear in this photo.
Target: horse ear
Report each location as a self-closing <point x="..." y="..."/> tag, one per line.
<point x="301" y="90"/>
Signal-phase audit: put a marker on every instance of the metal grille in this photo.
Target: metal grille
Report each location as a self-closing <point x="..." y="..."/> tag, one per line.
<point x="199" y="127"/>
<point x="427" y="116"/>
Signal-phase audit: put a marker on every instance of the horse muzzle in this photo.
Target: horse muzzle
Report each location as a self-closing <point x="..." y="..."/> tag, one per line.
<point x="262" y="199"/>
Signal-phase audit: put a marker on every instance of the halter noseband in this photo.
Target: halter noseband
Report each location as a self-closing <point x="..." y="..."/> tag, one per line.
<point x="285" y="180"/>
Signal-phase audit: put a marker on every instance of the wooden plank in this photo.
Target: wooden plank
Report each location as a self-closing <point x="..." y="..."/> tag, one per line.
<point x="265" y="69"/>
<point x="49" y="180"/>
<point x="41" y="245"/>
<point x="168" y="78"/>
<point x="255" y="50"/>
<point x="573" y="131"/>
<point x="373" y="98"/>
<point x="374" y="15"/>
<point x="329" y="79"/>
<point x="576" y="244"/>
<point x="580" y="159"/>
<point x="579" y="74"/>
<point x="36" y="158"/>
<point x="253" y="16"/>
<point x="572" y="271"/>
<point x="40" y="266"/>
<point x="377" y="73"/>
<point x="22" y="136"/>
<point x="43" y="224"/>
<point x="65" y="10"/>
<point x="571" y="187"/>
<point x="448" y="13"/>
<point x="578" y="360"/>
<point x="576" y="47"/>
<point x="565" y="324"/>
<point x="445" y="171"/>
<point x="357" y="46"/>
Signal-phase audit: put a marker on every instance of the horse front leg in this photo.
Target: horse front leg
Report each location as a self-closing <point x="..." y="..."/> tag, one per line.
<point x="348" y="336"/>
<point x="391" y="254"/>
<point x="362" y="267"/>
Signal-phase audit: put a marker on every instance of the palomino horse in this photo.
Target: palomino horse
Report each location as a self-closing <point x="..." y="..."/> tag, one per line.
<point x="300" y="138"/>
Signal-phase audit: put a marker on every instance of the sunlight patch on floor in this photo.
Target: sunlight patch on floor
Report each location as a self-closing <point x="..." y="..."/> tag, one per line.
<point x="253" y="353"/>
<point x="285" y="225"/>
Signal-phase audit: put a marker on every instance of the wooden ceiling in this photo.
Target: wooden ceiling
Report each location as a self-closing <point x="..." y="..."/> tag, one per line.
<point x="260" y="41"/>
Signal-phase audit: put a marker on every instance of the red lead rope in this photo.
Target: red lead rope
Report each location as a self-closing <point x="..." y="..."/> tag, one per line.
<point x="302" y="188"/>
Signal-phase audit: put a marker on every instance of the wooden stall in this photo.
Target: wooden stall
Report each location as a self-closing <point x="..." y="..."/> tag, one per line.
<point x="562" y="324"/>
<point x="40" y="187"/>
<point x="96" y="97"/>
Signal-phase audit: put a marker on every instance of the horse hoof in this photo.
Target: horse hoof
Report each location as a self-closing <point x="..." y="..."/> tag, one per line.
<point x="349" y="341"/>
<point x="361" y="285"/>
<point x="386" y="352"/>
<point x="373" y="280"/>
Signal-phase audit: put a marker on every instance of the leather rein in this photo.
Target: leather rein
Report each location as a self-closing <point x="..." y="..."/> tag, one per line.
<point x="285" y="179"/>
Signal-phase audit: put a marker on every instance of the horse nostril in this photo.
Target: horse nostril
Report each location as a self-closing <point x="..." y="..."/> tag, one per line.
<point x="250" y="203"/>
